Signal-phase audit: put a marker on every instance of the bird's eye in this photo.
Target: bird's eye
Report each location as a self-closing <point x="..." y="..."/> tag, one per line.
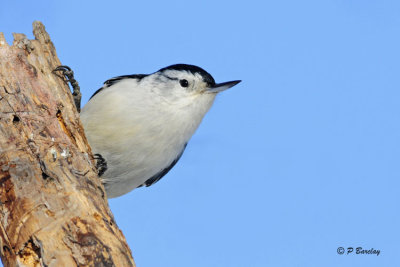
<point x="184" y="83"/>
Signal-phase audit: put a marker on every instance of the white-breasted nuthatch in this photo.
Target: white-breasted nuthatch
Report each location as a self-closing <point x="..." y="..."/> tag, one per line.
<point x="140" y="124"/>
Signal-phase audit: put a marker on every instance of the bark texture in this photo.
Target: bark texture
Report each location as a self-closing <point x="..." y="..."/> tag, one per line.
<point x="53" y="208"/>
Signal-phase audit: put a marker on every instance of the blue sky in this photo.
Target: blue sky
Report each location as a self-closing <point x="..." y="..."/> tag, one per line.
<point x="299" y="159"/>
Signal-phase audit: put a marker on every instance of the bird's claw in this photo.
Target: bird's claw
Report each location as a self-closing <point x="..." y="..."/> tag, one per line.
<point x="101" y="164"/>
<point x="68" y="73"/>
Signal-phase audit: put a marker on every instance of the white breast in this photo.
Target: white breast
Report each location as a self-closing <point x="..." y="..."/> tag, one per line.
<point x="138" y="132"/>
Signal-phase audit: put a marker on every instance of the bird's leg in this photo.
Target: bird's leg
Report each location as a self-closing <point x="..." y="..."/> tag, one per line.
<point x="68" y="74"/>
<point x="76" y="90"/>
<point x="101" y="164"/>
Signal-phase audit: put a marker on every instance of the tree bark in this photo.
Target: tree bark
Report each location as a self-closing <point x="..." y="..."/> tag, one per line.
<point x="53" y="207"/>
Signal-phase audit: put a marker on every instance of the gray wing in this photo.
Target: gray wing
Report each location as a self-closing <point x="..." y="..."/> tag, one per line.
<point x="114" y="80"/>
<point x="163" y="172"/>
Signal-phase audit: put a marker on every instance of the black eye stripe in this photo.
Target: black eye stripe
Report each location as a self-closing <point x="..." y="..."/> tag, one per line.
<point x="174" y="79"/>
<point x="184" y="83"/>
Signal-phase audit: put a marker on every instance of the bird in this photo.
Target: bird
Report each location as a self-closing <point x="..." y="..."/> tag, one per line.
<point x="139" y="125"/>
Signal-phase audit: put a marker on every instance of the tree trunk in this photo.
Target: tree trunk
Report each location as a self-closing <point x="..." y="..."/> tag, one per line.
<point x="53" y="207"/>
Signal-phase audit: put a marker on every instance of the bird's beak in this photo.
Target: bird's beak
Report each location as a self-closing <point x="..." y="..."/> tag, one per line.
<point x="219" y="87"/>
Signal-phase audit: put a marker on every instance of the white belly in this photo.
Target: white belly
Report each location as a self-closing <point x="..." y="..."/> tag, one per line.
<point x="137" y="137"/>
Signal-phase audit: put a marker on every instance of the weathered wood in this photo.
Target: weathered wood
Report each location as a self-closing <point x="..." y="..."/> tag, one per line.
<point x="53" y="208"/>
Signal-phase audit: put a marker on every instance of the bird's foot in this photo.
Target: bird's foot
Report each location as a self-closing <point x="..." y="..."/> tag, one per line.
<point x="68" y="74"/>
<point x="101" y="164"/>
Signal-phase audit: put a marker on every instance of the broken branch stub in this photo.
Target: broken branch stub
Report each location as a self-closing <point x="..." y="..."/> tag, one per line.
<point x="53" y="208"/>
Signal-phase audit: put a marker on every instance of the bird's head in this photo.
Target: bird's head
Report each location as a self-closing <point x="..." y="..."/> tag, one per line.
<point x="182" y="81"/>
